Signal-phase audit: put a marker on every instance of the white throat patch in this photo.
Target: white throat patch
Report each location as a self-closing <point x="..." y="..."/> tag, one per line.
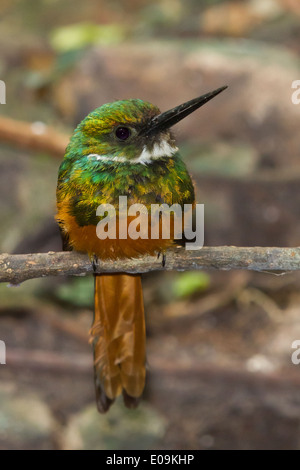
<point x="105" y="158"/>
<point x="159" y="150"/>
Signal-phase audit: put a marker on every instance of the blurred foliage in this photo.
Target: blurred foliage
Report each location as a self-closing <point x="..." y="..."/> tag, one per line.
<point x="189" y="283"/>
<point x="79" y="291"/>
<point x="14" y="296"/>
<point x="80" y="35"/>
<point x="121" y="429"/>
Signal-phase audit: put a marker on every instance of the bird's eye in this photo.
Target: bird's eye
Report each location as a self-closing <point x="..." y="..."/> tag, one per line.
<point x="123" y="133"/>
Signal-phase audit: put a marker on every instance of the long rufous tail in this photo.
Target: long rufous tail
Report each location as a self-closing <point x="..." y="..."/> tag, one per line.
<point x="118" y="335"/>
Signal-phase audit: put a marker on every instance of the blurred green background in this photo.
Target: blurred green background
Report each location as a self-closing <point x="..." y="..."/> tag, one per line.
<point x="219" y="343"/>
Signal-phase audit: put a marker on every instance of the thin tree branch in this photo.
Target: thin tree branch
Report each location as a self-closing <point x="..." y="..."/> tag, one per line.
<point x="18" y="268"/>
<point x="50" y="361"/>
<point x="33" y="136"/>
<point x="82" y="364"/>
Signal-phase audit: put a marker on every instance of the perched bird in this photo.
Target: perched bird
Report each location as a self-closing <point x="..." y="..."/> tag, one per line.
<point x="124" y="148"/>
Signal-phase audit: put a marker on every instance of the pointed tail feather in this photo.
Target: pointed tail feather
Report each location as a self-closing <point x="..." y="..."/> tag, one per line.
<point x="118" y="334"/>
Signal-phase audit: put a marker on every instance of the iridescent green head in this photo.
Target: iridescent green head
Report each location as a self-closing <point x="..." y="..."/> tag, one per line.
<point x="130" y="131"/>
<point x="113" y="132"/>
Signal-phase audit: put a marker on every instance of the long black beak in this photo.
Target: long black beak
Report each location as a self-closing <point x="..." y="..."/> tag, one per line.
<point x="169" y="118"/>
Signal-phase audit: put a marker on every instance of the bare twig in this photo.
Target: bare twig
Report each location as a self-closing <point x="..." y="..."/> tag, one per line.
<point x="33" y="136"/>
<point x="50" y="361"/>
<point x="19" y="268"/>
<point x="82" y="364"/>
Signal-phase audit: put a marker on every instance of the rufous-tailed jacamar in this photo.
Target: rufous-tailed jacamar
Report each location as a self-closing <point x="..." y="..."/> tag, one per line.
<point x="124" y="148"/>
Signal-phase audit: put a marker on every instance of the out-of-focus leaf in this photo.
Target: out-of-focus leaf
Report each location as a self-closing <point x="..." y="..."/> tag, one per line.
<point x="121" y="428"/>
<point x="189" y="283"/>
<point x="79" y="292"/>
<point x="80" y="35"/>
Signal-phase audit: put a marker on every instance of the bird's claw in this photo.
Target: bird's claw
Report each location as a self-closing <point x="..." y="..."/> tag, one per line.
<point x="95" y="263"/>
<point x="163" y="261"/>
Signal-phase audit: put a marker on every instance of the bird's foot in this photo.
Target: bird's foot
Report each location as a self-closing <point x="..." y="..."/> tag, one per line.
<point x="95" y="262"/>
<point x="163" y="261"/>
